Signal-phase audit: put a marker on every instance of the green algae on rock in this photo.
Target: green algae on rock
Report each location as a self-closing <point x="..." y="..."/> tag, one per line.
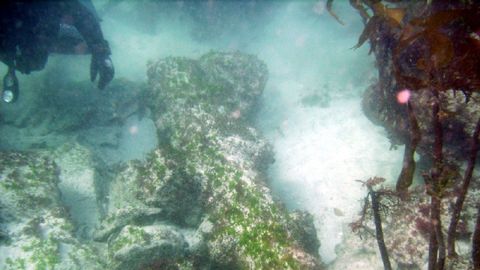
<point x="206" y="177"/>
<point x="197" y="201"/>
<point x="244" y="216"/>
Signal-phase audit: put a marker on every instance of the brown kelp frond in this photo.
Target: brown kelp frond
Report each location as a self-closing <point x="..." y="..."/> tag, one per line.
<point x="440" y="51"/>
<point x="357" y="4"/>
<point x="382" y="15"/>
<point x="394" y="15"/>
<point x="375" y="205"/>
<point x="430" y="47"/>
<point x="329" y="9"/>
<point x="438" y="19"/>
<point x="476" y="242"/>
<point x="458" y="206"/>
<point x="368" y="31"/>
<point x="405" y="179"/>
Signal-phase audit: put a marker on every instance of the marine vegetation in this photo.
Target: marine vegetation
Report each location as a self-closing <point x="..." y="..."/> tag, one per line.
<point x="200" y="200"/>
<point x="375" y="205"/>
<point x="429" y="50"/>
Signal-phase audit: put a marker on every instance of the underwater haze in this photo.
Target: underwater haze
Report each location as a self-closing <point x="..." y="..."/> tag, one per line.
<point x="320" y="148"/>
<point x="235" y="135"/>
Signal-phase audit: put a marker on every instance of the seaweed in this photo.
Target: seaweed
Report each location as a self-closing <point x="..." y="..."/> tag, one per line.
<point x="458" y="206"/>
<point x="438" y="51"/>
<point x="476" y="243"/>
<point x="405" y="178"/>
<point x="375" y="205"/>
<point x="329" y="9"/>
<point x="433" y="49"/>
<point x="381" y="14"/>
<point x="440" y="46"/>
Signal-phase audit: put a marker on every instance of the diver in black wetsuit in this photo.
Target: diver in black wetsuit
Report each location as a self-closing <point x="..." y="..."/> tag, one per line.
<point x="30" y="30"/>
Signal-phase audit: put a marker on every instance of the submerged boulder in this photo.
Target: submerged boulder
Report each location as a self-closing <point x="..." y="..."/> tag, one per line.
<point x="199" y="200"/>
<point x="206" y="177"/>
<point x="208" y="134"/>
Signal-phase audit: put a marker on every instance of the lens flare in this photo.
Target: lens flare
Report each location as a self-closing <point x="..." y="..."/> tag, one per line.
<point x="403" y="96"/>
<point x="133" y="130"/>
<point x="236" y="114"/>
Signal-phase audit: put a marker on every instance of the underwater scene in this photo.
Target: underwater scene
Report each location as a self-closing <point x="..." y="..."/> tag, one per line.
<point x="229" y="134"/>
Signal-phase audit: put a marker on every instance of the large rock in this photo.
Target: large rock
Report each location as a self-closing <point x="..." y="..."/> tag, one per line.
<point x="201" y="109"/>
<point x="206" y="177"/>
<point x="199" y="200"/>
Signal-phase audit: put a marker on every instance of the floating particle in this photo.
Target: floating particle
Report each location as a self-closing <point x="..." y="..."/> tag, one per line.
<point x="236" y="114"/>
<point x="133" y="130"/>
<point x="319" y="7"/>
<point x="403" y="96"/>
<point x="338" y="212"/>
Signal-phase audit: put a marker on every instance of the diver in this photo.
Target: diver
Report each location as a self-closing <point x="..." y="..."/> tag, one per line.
<point x="31" y="30"/>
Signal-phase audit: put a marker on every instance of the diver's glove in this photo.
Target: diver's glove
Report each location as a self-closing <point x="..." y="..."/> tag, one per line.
<point x="10" y="86"/>
<point x="101" y="65"/>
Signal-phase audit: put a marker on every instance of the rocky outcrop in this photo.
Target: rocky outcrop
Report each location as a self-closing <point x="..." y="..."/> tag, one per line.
<point x="200" y="200"/>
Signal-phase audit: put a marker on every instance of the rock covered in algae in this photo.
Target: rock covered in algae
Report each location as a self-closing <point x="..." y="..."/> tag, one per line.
<point x="206" y="177"/>
<point x="37" y="226"/>
<point x="199" y="201"/>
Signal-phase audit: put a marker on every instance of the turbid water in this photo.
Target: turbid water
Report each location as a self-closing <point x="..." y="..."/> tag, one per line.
<point x="310" y="110"/>
<point x="320" y="148"/>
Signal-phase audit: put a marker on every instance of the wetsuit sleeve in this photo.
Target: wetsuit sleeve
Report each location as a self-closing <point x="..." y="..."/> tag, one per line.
<point x="86" y="21"/>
